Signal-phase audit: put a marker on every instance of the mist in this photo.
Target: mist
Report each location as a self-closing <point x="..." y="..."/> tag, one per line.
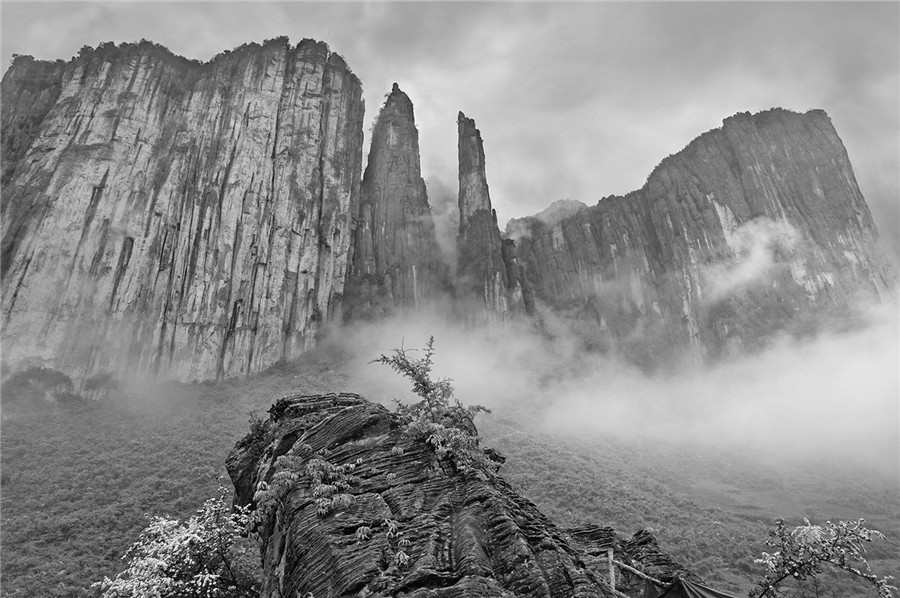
<point x="829" y="399"/>
<point x="443" y="199"/>
<point x="756" y="244"/>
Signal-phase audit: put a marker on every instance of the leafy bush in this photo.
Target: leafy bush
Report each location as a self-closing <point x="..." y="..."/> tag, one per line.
<point x="804" y="550"/>
<point x="447" y="426"/>
<point x="199" y="558"/>
<point x="39" y="384"/>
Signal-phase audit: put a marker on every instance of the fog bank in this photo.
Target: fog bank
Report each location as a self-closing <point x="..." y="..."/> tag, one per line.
<point x="834" y="396"/>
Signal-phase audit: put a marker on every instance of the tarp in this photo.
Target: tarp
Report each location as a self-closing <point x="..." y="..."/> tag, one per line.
<point x="682" y="589"/>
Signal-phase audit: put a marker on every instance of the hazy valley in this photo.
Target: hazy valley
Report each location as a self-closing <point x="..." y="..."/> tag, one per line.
<point x="185" y="243"/>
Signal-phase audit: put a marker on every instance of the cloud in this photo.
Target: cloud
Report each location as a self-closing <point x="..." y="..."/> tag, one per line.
<point x="832" y="396"/>
<point x="756" y="245"/>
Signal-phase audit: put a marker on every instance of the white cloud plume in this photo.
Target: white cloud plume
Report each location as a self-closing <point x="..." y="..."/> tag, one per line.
<point x="757" y="245"/>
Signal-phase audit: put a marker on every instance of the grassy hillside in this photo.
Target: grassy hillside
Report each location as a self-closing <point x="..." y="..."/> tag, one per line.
<point x="710" y="508"/>
<point x="79" y="478"/>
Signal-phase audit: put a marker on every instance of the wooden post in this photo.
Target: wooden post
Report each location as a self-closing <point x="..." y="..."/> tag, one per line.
<point x="640" y="574"/>
<point x="612" y="568"/>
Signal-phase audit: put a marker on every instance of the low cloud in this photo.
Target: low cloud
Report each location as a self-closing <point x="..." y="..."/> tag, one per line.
<point x="831" y="397"/>
<point x="758" y="246"/>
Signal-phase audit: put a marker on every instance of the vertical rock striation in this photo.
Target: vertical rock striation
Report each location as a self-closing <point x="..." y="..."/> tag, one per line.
<point x="488" y="273"/>
<point x="166" y="216"/>
<point x="396" y="259"/>
<point x="753" y="229"/>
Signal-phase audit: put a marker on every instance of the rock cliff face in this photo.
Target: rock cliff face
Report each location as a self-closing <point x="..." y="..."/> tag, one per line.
<point x="460" y="534"/>
<point x="189" y="220"/>
<point x="753" y="229"/>
<point x="396" y="259"/>
<point x="166" y="216"/>
<point x="489" y="278"/>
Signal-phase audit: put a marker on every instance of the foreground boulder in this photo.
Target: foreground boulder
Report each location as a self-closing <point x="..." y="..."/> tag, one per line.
<point x="348" y="503"/>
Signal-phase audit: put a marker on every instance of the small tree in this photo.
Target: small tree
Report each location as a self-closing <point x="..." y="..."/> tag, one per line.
<point x="198" y="558"/>
<point x="439" y="418"/>
<point x="802" y="552"/>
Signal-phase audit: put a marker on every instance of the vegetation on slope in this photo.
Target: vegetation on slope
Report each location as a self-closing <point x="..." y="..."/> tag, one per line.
<point x="79" y="479"/>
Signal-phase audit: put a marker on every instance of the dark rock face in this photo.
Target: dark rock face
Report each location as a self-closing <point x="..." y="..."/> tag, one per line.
<point x="753" y="229"/>
<point x="166" y="216"/>
<point x="489" y="278"/>
<point x="30" y="88"/>
<point x="465" y="534"/>
<point x="396" y="260"/>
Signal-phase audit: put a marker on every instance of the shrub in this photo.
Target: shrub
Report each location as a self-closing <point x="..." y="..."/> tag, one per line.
<point x="439" y="419"/>
<point x="803" y="551"/>
<point x="199" y="558"/>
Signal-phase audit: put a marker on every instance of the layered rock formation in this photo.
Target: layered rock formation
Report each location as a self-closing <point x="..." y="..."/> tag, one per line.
<point x="489" y="277"/>
<point x="753" y="229"/>
<point x="411" y="523"/>
<point x="396" y="259"/>
<point x="166" y="216"/>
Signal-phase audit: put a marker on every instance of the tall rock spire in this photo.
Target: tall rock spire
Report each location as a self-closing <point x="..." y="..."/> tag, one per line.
<point x="487" y="273"/>
<point x="474" y="194"/>
<point x="396" y="261"/>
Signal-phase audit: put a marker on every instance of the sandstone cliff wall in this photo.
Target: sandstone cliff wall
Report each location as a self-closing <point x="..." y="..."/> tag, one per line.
<point x="166" y="216"/>
<point x="396" y="263"/>
<point x="753" y="229"/>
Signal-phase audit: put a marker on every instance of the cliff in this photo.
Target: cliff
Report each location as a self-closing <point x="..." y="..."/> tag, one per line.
<point x="754" y="229"/>
<point x="166" y="216"/>
<point x="404" y="520"/>
<point x="396" y="259"/>
<point x="488" y="277"/>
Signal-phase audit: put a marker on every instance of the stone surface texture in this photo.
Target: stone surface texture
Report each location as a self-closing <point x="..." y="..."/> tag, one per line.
<point x="397" y="263"/>
<point x="754" y="229"/>
<point x="465" y="533"/>
<point x="169" y="217"/>
<point x="488" y="276"/>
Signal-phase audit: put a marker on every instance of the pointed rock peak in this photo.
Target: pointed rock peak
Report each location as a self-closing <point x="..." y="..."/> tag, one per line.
<point x="397" y="105"/>
<point x="473" y="187"/>
<point x="466" y="124"/>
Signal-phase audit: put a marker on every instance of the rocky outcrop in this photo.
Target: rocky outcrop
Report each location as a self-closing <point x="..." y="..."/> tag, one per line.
<point x="166" y="216"/>
<point x="752" y="230"/>
<point x="489" y="278"/>
<point x="396" y="259"/>
<point x="406" y="522"/>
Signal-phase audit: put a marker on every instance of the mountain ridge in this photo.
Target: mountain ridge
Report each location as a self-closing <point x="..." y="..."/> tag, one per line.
<point x="683" y="267"/>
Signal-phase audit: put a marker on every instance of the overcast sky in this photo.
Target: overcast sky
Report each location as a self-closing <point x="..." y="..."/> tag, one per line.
<point x="574" y="100"/>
